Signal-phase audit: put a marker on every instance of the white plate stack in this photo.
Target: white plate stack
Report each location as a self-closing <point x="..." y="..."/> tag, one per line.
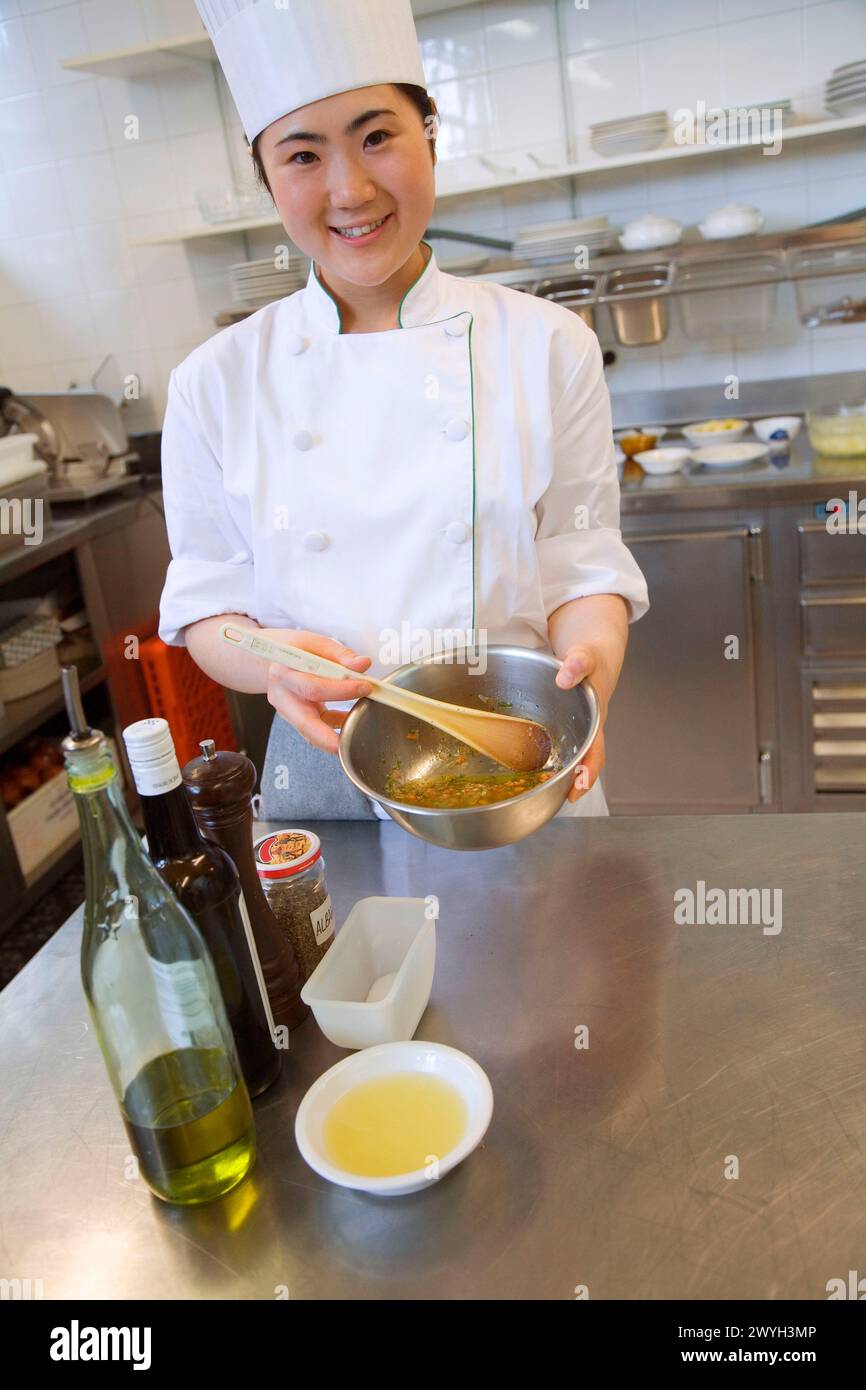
<point x="256" y="283"/>
<point x="629" y="134"/>
<point x="845" y="89"/>
<point x="551" y="242"/>
<point x="744" y="129"/>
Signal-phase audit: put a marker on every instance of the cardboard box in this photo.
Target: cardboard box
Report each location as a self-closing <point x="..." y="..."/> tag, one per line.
<point x="46" y="820"/>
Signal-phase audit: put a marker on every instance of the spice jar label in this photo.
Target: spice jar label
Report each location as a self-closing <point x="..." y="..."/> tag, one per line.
<point x="322" y="919"/>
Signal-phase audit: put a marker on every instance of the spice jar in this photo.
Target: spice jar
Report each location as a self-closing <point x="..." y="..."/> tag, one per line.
<point x="292" y="873"/>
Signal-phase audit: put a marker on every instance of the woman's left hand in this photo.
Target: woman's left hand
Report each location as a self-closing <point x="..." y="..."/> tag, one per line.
<point x="589" y="635"/>
<point x="579" y="662"/>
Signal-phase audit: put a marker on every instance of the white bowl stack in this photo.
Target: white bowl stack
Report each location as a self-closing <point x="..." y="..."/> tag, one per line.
<point x="629" y="134"/>
<point x="256" y="283"/>
<point x="550" y="242"/>
<point x="845" y="89"/>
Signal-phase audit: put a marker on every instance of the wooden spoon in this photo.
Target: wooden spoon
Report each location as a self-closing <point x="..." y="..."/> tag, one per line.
<point x="519" y="744"/>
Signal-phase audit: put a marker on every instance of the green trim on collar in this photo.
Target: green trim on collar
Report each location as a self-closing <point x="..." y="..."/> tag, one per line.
<point x="320" y="282"/>
<point x="414" y="282"/>
<point x="322" y="286"/>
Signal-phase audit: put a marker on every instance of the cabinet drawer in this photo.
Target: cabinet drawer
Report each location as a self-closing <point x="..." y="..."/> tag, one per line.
<point x="834" y="626"/>
<point x="838" y="732"/>
<point x="828" y="558"/>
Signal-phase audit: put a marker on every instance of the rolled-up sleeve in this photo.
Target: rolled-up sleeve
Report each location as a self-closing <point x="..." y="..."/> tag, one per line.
<point x="211" y="569"/>
<point x="578" y="540"/>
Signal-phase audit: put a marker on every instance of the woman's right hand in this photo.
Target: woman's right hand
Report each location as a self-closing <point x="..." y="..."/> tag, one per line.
<point x="300" y="698"/>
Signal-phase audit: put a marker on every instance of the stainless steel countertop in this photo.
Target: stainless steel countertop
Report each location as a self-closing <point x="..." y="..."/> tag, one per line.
<point x="602" y="1167"/>
<point x="797" y="476"/>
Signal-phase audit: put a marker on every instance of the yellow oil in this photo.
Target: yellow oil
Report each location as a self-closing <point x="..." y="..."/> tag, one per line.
<point x="189" y="1119"/>
<point x="394" y="1124"/>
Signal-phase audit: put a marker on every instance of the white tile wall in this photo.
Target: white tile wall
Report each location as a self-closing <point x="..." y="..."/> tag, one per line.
<point x="599" y="26"/>
<point x="75" y="190"/>
<point x="518" y="33"/>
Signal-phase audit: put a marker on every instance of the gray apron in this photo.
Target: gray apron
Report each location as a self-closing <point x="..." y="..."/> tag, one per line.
<point x="301" y="783"/>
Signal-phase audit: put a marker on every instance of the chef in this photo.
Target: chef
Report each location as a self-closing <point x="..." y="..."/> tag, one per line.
<point x="390" y="450"/>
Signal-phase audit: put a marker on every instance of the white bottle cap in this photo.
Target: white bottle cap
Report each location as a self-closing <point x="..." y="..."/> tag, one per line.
<point x="152" y="759"/>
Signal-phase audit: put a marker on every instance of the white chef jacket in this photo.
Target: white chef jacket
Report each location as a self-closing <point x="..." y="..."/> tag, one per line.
<point x="454" y="473"/>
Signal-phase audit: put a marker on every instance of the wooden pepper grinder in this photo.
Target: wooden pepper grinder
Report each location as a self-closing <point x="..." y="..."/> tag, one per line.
<point x="220" y="786"/>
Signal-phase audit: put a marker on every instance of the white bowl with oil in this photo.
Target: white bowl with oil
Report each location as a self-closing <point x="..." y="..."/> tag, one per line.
<point x="394" y="1119"/>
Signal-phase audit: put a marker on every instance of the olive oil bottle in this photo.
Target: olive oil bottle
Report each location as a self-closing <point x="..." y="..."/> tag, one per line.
<point x="205" y="881"/>
<point x="153" y="995"/>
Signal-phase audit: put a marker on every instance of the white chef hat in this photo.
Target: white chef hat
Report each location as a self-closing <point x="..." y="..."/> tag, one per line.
<point x="278" y="55"/>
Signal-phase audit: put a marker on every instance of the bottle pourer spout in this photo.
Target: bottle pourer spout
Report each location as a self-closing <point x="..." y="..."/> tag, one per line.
<point x="208" y="749"/>
<point x="81" y="735"/>
<point x="72" y="696"/>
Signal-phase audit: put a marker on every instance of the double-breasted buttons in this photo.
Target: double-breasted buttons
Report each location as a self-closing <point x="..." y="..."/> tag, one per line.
<point x="316" y="540"/>
<point x="457" y="532"/>
<point x="303" y="440"/>
<point x="295" y="344"/>
<point x="455" y="328"/>
<point x="457" y="429"/>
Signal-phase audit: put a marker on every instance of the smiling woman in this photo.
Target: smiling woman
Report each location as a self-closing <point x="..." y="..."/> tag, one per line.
<point x="390" y="444"/>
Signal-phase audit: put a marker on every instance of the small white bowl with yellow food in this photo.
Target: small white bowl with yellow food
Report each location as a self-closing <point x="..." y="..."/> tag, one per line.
<point x="715" y="432"/>
<point x="394" y="1119"/>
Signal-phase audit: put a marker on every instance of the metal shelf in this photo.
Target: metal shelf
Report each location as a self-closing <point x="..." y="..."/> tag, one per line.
<point x="778" y="251"/>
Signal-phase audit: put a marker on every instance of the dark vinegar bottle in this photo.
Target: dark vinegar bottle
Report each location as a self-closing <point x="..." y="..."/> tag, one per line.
<point x="205" y="881"/>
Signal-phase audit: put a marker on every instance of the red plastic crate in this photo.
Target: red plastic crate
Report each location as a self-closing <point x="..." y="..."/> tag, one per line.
<point x="179" y="691"/>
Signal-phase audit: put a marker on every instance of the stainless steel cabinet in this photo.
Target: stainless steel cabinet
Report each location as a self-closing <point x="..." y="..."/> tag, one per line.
<point x="688" y="729"/>
<point x="782" y="727"/>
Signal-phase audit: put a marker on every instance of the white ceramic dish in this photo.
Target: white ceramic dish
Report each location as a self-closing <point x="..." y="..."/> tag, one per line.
<point x="659" y="461"/>
<point x="765" y="429"/>
<point x="465" y="265"/>
<point x="642" y="118"/>
<point x="842" y="86"/>
<point x="733" y="220"/>
<point x="730" y="455"/>
<point x="846" y="67"/>
<point x="849" y="106"/>
<point x="650" y="233"/>
<point x="560" y="231"/>
<point x="434" y="1059"/>
<point x="698" y="437"/>
<point x="641" y="142"/>
<point x="380" y="937"/>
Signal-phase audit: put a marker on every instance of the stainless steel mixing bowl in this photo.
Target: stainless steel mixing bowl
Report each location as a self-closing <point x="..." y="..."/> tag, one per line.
<point x="374" y="742"/>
